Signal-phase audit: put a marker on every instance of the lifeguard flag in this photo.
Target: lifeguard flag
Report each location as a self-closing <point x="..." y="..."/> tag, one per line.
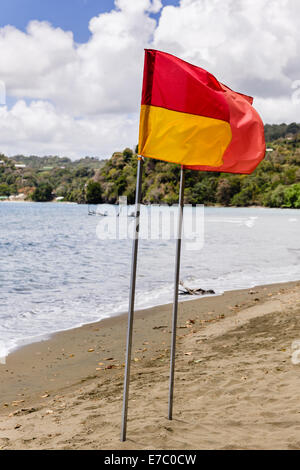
<point x="189" y="117"/>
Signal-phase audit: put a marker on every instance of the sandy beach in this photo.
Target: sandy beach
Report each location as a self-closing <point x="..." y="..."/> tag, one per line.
<point x="236" y="385"/>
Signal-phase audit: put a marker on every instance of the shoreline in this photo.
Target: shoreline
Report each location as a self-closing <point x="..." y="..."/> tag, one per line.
<point x="45" y="383"/>
<point x="216" y="206"/>
<point x="39" y="202"/>
<point x="48" y="336"/>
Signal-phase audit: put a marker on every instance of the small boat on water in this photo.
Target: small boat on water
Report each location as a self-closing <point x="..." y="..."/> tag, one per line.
<point x="92" y="211"/>
<point x="97" y="212"/>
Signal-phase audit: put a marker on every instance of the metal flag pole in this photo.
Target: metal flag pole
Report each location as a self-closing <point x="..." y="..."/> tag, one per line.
<point x="176" y="285"/>
<point x="132" y="297"/>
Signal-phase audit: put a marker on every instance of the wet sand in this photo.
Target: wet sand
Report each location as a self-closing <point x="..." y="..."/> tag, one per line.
<point x="236" y="386"/>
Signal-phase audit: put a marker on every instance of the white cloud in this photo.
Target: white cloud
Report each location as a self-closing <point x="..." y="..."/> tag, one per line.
<point x="281" y="109"/>
<point x="100" y="76"/>
<point x="246" y="43"/>
<point x="39" y="129"/>
<point x="84" y="98"/>
<point x="87" y="95"/>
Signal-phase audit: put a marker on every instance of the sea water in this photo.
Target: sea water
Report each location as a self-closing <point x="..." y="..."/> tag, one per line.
<point x="57" y="273"/>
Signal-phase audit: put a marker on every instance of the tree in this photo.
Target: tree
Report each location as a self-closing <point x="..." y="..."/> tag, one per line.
<point x="93" y="193"/>
<point x="127" y="154"/>
<point x="4" y="190"/>
<point x="227" y="188"/>
<point x="43" y="193"/>
<point x="292" y="196"/>
<point x="275" y="198"/>
<point x="243" y="198"/>
<point x="293" y="128"/>
<point x="204" y="192"/>
<point x="83" y="172"/>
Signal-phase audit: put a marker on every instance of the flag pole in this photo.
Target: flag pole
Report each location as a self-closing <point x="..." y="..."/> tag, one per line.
<point x="132" y="297"/>
<point x="176" y="285"/>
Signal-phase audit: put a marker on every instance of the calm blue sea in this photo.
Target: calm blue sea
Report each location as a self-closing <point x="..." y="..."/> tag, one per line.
<point x="55" y="273"/>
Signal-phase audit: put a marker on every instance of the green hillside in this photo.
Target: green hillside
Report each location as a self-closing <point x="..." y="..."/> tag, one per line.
<point x="275" y="183"/>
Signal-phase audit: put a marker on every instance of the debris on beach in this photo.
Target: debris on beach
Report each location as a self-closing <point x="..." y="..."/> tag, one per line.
<point x="17" y="402"/>
<point x="188" y="291"/>
<point x="23" y="411"/>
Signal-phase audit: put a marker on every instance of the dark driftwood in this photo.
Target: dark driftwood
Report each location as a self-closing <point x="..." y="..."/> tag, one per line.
<point x="188" y="291"/>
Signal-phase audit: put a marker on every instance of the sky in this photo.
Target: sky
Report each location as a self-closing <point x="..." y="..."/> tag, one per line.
<point x="70" y="15"/>
<point x="72" y="69"/>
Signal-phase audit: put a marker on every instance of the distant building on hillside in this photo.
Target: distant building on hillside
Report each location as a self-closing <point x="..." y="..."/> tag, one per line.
<point x="2" y="162"/>
<point x="17" y="197"/>
<point x="20" y="165"/>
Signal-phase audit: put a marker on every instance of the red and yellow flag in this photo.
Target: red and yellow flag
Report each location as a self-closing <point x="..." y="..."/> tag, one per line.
<point x="190" y="118"/>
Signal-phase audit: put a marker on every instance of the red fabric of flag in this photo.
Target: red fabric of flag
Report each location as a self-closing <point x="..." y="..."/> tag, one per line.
<point x="247" y="148"/>
<point x="190" y="118"/>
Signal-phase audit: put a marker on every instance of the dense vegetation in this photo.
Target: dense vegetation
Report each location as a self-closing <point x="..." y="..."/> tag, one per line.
<point x="275" y="183"/>
<point x="47" y="177"/>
